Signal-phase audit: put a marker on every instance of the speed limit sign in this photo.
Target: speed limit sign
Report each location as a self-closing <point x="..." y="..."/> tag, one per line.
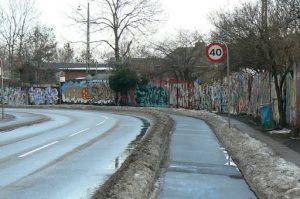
<point x="215" y="52"/>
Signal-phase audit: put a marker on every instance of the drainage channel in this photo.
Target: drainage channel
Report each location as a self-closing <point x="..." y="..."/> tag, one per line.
<point x="117" y="163"/>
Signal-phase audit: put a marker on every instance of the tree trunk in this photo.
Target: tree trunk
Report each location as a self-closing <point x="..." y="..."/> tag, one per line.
<point x="278" y="88"/>
<point x="117" y="50"/>
<point x="117" y="99"/>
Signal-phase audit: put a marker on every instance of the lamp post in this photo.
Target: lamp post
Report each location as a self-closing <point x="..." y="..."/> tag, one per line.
<point x="87" y="53"/>
<point x="88" y="39"/>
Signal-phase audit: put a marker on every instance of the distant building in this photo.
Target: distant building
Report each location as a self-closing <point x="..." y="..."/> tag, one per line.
<point x="53" y="73"/>
<point x="78" y="70"/>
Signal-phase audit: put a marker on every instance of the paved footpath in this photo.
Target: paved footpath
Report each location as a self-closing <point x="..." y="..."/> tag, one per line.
<point x="281" y="149"/>
<point x="198" y="167"/>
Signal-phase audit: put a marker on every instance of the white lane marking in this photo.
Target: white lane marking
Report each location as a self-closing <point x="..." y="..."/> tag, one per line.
<point x="198" y="130"/>
<point x="100" y="123"/>
<point x="78" y="132"/>
<point x="105" y="118"/>
<point x="38" y="149"/>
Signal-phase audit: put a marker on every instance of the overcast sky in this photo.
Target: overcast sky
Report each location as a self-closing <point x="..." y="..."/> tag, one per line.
<point x="180" y="14"/>
<point x="186" y="14"/>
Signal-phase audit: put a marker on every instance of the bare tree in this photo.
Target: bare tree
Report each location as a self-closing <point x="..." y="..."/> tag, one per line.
<point x="17" y="16"/>
<point x="41" y="44"/>
<point x="41" y="48"/>
<point x="263" y="39"/>
<point x="182" y="56"/>
<point x="119" y="22"/>
<point x="65" y="54"/>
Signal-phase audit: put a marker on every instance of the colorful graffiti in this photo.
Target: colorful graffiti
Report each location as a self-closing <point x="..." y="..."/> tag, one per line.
<point x="74" y="92"/>
<point x="34" y="96"/>
<point x="182" y="94"/>
<point x="15" y="96"/>
<point x="87" y="92"/>
<point x="99" y="92"/>
<point x="152" y="94"/>
<point x="161" y="93"/>
<point x="46" y="95"/>
<point x="247" y="93"/>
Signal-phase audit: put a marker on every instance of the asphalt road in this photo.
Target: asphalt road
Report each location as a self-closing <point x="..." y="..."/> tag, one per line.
<point x="67" y="156"/>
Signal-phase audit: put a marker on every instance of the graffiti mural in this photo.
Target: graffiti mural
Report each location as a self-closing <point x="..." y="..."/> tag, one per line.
<point x="38" y="96"/>
<point x="161" y="93"/>
<point x="151" y="95"/>
<point x="74" y="92"/>
<point x="247" y="93"/>
<point x="239" y="93"/>
<point x="30" y="96"/>
<point x="182" y="94"/>
<point x="15" y="96"/>
<point x="99" y="92"/>
<point x="87" y="92"/>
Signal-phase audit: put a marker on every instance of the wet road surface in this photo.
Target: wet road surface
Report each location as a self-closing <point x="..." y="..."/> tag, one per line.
<point x="65" y="157"/>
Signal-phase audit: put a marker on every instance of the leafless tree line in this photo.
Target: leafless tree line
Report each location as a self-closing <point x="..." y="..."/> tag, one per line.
<point x="263" y="36"/>
<point x="120" y="22"/>
<point x="23" y="39"/>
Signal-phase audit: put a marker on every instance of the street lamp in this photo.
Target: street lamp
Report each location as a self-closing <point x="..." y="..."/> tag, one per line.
<point x="87" y="37"/>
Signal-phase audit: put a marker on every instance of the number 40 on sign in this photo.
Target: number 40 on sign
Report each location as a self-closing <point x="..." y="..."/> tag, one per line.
<point x="216" y="52"/>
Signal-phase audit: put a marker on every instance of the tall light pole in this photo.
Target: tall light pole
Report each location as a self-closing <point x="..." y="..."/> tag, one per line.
<point x="88" y="39"/>
<point x="87" y="52"/>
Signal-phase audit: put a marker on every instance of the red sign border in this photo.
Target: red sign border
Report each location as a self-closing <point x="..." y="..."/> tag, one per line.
<point x="218" y="44"/>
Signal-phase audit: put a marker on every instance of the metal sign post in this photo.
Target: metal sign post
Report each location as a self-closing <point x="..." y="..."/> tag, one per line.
<point x="215" y="52"/>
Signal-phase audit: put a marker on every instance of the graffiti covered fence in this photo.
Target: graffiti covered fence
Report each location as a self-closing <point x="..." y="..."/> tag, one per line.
<point x="247" y="93"/>
<point x="161" y="93"/>
<point x="30" y="96"/>
<point x="87" y="92"/>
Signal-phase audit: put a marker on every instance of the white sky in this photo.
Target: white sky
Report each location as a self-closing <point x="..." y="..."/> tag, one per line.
<point x="181" y="14"/>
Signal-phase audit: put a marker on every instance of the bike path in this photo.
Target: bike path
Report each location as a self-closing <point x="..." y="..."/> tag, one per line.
<point x="198" y="166"/>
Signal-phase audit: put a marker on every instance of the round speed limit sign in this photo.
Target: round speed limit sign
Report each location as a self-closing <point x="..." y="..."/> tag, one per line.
<point x="215" y="52"/>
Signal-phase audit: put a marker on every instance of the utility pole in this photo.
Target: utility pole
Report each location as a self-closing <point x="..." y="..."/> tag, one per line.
<point x="88" y="40"/>
<point x="264" y="29"/>
<point x="264" y="14"/>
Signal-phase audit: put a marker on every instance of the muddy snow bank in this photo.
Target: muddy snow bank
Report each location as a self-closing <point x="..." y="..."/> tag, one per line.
<point x="269" y="176"/>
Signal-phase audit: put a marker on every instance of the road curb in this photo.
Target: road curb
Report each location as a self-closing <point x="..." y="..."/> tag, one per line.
<point x="40" y="119"/>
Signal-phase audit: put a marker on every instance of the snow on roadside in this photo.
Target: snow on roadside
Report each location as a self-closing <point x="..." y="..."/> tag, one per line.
<point x="280" y="132"/>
